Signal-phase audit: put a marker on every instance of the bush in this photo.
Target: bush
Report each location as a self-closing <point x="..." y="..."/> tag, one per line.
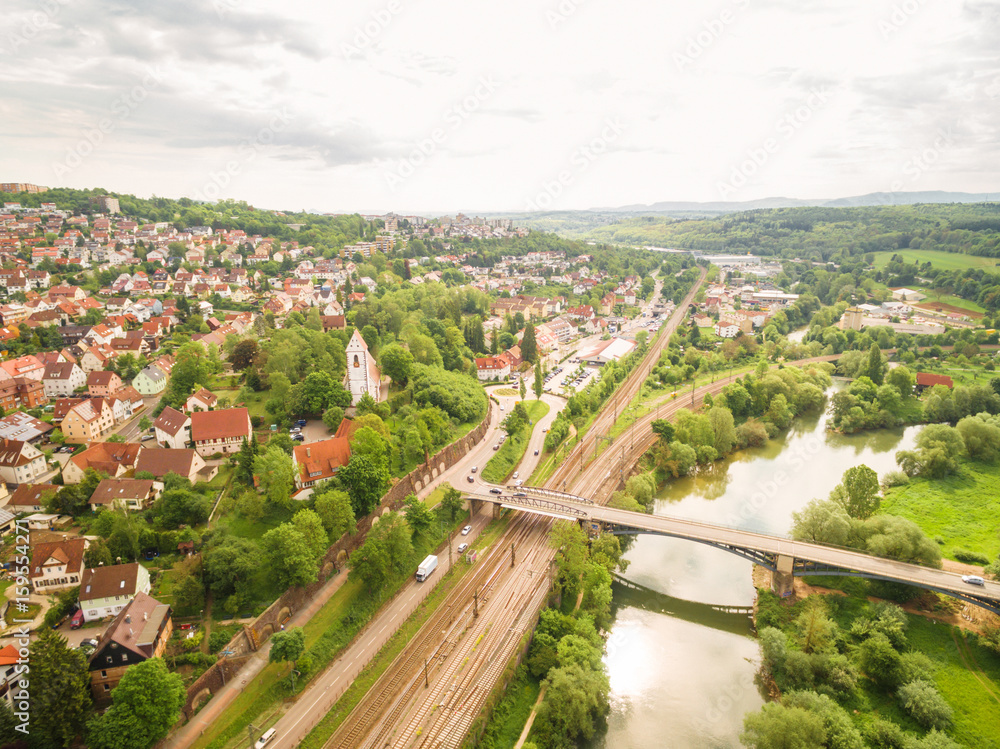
<point x="970" y="557"/>
<point x="895" y="478"/>
<point x="925" y="704"/>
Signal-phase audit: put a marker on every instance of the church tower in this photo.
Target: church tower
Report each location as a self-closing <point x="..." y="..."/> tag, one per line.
<point x="363" y="375"/>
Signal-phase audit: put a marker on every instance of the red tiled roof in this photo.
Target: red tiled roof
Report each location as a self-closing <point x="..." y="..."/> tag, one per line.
<point x="926" y="379"/>
<point x="69" y="552"/>
<point x="215" y="425"/>
<point x="322" y="458"/>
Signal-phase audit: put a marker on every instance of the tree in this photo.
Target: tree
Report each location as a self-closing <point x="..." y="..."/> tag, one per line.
<point x="310" y="525"/>
<point x="274" y="473"/>
<point x="334" y="509"/>
<point x="780" y="727"/>
<point x="244" y="354"/>
<point x="386" y="551"/>
<point x="664" y="429"/>
<point x="522" y="390"/>
<point x="418" y="516"/>
<point x="59" y="685"/>
<point x="245" y="459"/>
<point x="177" y="507"/>
<point x="529" y="346"/>
<point x="858" y="492"/>
<point x="539" y="384"/>
<point x="291" y="556"/>
<point x="879" y="660"/>
<point x="97" y="555"/>
<point x="332" y="418"/>
<point x="366" y="480"/>
<point x="145" y="424"/>
<point x="452" y="503"/>
<point x="724" y="428"/>
<point x="397" y="363"/>
<point x="925" y="704"/>
<point x="230" y="565"/>
<point x="576" y="699"/>
<point x="287" y="645"/>
<point x="146" y="703"/>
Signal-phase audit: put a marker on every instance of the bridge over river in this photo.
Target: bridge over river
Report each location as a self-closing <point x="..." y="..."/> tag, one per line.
<point x="785" y="557"/>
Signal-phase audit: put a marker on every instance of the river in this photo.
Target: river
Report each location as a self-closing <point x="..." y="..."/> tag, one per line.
<point x="681" y="653"/>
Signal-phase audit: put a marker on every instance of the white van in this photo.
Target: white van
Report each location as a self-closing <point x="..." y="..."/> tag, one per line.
<point x="265" y="738"/>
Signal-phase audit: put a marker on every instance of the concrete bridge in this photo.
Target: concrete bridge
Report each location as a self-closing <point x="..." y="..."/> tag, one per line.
<point x="784" y="557"/>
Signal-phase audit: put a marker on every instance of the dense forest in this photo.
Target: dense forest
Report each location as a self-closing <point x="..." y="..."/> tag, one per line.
<point x="823" y="233"/>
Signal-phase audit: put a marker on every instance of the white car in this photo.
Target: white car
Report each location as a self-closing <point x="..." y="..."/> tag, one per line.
<point x="462" y="548"/>
<point x="973" y="580"/>
<point x="515" y="474"/>
<point x="466" y="530"/>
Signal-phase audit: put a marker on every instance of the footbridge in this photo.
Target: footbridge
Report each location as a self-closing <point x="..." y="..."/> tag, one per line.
<point x="783" y="556"/>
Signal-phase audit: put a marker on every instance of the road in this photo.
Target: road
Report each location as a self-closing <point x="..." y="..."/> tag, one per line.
<point x="587" y="511"/>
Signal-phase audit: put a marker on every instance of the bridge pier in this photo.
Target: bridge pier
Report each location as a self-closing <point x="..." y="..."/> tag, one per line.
<point x="782" y="578"/>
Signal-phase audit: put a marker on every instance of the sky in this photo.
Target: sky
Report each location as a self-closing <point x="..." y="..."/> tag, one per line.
<point x="433" y="106"/>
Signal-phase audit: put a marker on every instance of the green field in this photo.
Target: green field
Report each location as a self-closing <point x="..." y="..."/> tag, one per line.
<point x="937" y="259"/>
<point x="962" y="510"/>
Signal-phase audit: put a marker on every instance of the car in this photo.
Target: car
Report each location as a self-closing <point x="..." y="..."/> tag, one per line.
<point x="466" y="530"/>
<point x="471" y="480"/>
<point x="515" y="474"/>
<point x="298" y="437"/>
<point x="501" y="407"/>
<point x="518" y="482"/>
<point x="496" y="447"/>
<point x="474" y="469"/>
<point x="145" y="437"/>
<point x="90" y="643"/>
<point x="295" y="430"/>
<point x="462" y="548"/>
<point x="973" y="580"/>
<point x="520" y="494"/>
<point x="301" y="422"/>
<point x="494" y="490"/>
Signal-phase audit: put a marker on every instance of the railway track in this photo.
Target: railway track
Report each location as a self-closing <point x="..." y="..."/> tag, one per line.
<point x="387" y="697"/>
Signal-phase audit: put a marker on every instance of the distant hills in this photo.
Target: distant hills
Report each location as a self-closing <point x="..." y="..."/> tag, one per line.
<point x="871" y="199"/>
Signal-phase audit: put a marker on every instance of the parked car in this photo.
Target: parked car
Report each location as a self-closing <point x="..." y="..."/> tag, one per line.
<point x="300" y="422"/>
<point x="77" y="621"/>
<point x="145" y="437"/>
<point x="462" y="548"/>
<point x="466" y="530"/>
<point x="91" y="643"/>
<point x="298" y="437"/>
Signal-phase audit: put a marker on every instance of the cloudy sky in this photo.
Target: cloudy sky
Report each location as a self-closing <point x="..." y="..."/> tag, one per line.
<point x="446" y="105"/>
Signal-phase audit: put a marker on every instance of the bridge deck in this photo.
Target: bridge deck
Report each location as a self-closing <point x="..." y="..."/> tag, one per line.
<point x="823" y="559"/>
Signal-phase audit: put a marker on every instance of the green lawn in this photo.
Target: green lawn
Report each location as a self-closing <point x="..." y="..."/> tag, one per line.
<point x="951" y="299"/>
<point x="506" y="459"/>
<point x="511" y="713"/>
<point x="937" y="259"/>
<point x="962" y="510"/>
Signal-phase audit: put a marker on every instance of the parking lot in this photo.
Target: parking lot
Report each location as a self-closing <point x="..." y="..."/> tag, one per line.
<point x="568" y="376"/>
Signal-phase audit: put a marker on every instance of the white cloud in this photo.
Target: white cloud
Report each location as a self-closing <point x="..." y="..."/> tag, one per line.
<point x="382" y="88"/>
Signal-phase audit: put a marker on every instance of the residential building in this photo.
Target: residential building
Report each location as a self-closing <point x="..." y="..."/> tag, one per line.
<point x="60" y="380"/>
<point x="128" y="494"/>
<point x="21" y="462"/>
<point x="105" y="591"/>
<point x="150" y="381"/>
<point x="103" y="383"/>
<point x="111" y="458"/>
<point x="927" y="379"/>
<point x="11" y="674"/>
<point x="24" y="366"/>
<point x="203" y="400"/>
<point x="363" y="376"/>
<point x="23" y="426"/>
<point x="185" y="463"/>
<point x="319" y="461"/>
<point x="56" y="565"/>
<point x="173" y="428"/>
<point x="492" y="368"/>
<point x="220" y="431"/>
<point x="88" y="421"/>
<point x="29" y="497"/>
<point x="139" y="632"/>
<point x="21" y="392"/>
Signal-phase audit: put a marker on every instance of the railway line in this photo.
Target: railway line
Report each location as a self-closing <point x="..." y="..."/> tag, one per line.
<point x="469" y="652"/>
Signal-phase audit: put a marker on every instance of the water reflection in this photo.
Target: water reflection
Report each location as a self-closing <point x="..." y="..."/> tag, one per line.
<point x="672" y="660"/>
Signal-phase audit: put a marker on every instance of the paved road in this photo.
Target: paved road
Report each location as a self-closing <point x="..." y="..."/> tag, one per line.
<point x="714" y="534"/>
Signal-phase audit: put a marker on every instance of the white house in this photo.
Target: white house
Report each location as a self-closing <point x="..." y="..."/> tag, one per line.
<point x="20" y="462"/>
<point x="173" y="428"/>
<point x="61" y="379"/>
<point x="104" y="591"/>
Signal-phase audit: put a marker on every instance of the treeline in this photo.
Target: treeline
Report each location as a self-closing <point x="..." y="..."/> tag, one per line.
<point x="821" y="233"/>
<point x="830" y="658"/>
<point x="567" y="649"/>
